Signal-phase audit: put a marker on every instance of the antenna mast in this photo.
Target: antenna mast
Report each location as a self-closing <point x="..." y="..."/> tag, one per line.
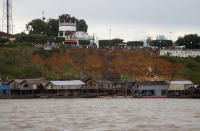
<point x="7" y="23"/>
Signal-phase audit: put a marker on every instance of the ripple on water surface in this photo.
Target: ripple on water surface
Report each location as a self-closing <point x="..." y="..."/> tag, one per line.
<point x="99" y="114"/>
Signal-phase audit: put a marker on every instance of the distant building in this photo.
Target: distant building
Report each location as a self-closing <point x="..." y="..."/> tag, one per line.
<point x="6" y="35"/>
<point x="68" y="30"/>
<point x="180" y="85"/>
<point x="70" y="85"/>
<point x="152" y="88"/>
<point x="161" y="37"/>
<point x="180" y="53"/>
<point x="104" y="84"/>
<point x="27" y="84"/>
<point x="149" y="40"/>
<point x="4" y="91"/>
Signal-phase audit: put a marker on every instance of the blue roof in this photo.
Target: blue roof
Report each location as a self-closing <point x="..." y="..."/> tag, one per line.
<point x="4" y="87"/>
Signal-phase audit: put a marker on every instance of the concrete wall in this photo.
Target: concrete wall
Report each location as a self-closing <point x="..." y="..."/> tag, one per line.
<point x="180" y="53"/>
<point x="157" y="88"/>
<point x="67" y="28"/>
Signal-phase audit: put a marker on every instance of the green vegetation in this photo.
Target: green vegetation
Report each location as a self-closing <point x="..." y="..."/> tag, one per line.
<point x="37" y="38"/>
<point x="39" y="26"/>
<point x="28" y="62"/>
<point x="16" y="63"/>
<point x="161" y="43"/>
<point x="191" y="41"/>
<point x="135" y="43"/>
<point x="84" y="42"/>
<point x="112" y="42"/>
<point x="51" y="26"/>
<point x="191" y="69"/>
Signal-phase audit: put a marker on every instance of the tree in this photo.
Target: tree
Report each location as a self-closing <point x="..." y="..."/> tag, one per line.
<point x="67" y="18"/>
<point x="191" y="41"/>
<point x="36" y="26"/>
<point x="52" y="27"/>
<point x="56" y="39"/>
<point x="84" y="42"/>
<point x="161" y="43"/>
<point x="82" y="26"/>
<point x="36" y="38"/>
<point x="110" y="42"/>
<point x="135" y="43"/>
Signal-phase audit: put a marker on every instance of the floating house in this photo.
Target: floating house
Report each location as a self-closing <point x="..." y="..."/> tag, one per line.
<point x="179" y="88"/>
<point x="4" y="91"/>
<point x="152" y="88"/>
<point x="65" y="88"/>
<point x="15" y="84"/>
<point x="72" y="84"/>
<point x="180" y="85"/>
<point x="104" y="84"/>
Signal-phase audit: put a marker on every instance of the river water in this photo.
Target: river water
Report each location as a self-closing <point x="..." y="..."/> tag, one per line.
<point x="105" y="114"/>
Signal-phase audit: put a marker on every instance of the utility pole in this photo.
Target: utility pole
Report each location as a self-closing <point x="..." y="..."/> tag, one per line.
<point x="170" y="35"/>
<point x="109" y="37"/>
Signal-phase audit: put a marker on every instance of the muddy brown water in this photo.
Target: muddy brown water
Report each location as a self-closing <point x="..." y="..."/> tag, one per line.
<point x="105" y="114"/>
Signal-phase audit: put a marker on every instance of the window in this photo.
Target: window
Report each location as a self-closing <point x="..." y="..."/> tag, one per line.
<point x="25" y="86"/>
<point x="164" y="92"/>
<point x="85" y="84"/>
<point x="61" y="33"/>
<point x="90" y="83"/>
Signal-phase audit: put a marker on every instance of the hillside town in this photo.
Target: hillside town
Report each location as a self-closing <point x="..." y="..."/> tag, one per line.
<point x="70" y="33"/>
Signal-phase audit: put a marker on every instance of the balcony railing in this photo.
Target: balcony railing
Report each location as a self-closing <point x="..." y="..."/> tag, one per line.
<point x="67" y="24"/>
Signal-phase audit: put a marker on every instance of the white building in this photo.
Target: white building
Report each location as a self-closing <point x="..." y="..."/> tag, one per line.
<point x="69" y="31"/>
<point x="180" y="53"/>
<point x="81" y="35"/>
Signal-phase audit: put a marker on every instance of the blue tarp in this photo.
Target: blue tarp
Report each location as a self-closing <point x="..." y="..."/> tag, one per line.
<point x="4" y="87"/>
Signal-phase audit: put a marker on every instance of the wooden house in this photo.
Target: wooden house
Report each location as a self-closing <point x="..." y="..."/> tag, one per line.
<point x="104" y="84"/>
<point x="64" y="85"/>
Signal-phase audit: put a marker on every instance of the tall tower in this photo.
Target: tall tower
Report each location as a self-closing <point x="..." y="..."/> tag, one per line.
<point x="7" y="22"/>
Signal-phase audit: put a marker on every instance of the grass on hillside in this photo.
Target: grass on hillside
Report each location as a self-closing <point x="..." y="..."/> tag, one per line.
<point x="191" y="69"/>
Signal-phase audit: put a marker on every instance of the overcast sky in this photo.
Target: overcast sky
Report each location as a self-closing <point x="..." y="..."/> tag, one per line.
<point x="128" y="19"/>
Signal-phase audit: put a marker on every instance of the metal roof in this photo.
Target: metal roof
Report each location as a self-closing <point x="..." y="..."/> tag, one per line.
<point x="153" y="83"/>
<point x="101" y="80"/>
<point x="181" y="83"/>
<point x="67" y="83"/>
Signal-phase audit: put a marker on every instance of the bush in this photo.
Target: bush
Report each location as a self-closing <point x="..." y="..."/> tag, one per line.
<point x="34" y="38"/>
<point x="110" y="42"/>
<point x="84" y="42"/>
<point x="161" y="43"/>
<point x="135" y="43"/>
<point x="56" y="39"/>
